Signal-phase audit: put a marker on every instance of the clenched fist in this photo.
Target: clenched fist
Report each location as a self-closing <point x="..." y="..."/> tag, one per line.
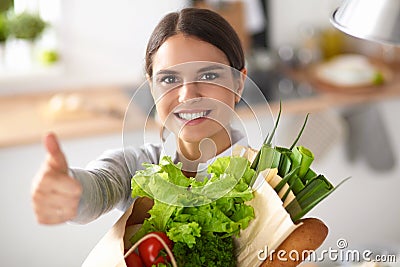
<point x="55" y="194"/>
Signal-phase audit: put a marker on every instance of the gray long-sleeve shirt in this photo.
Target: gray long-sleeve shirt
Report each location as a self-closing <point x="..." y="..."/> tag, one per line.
<point x="106" y="181"/>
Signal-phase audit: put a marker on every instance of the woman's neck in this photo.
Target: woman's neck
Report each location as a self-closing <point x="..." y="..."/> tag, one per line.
<point x="193" y="153"/>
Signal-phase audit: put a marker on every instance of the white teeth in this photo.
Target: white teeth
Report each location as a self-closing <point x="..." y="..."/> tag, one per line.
<point x="192" y="116"/>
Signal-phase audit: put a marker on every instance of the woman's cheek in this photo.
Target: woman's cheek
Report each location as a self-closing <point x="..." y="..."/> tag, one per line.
<point x="164" y="106"/>
<point x="162" y="116"/>
<point x="166" y="116"/>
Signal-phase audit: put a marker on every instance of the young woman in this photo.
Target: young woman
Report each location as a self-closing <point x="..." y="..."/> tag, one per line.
<point x="186" y="59"/>
<point x="192" y="45"/>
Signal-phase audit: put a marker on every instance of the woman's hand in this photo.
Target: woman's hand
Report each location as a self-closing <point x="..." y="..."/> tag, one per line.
<point x="55" y="194"/>
<point x="307" y="237"/>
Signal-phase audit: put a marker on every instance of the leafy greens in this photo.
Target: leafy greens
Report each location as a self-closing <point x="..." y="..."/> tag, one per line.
<point x="185" y="222"/>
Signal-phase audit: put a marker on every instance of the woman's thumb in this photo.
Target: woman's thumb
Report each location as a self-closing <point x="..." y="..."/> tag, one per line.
<point x="56" y="158"/>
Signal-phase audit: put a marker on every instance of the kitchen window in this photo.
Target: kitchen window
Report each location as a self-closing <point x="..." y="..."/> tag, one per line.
<point x="23" y="57"/>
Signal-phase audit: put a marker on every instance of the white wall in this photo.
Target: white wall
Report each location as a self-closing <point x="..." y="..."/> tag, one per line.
<point x="289" y="17"/>
<point x="105" y="41"/>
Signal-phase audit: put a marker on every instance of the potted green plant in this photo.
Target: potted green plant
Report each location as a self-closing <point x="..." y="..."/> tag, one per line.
<point x="3" y="28"/>
<point x="5" y="5"/>
<point x="3" y="36"/>
<point x="26" y="26"/>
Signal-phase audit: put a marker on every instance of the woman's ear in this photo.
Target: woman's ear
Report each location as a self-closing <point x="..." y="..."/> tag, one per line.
<point x="240" y="84"/>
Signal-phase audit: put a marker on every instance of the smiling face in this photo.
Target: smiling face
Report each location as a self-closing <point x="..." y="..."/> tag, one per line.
<point x="194" y="89"/>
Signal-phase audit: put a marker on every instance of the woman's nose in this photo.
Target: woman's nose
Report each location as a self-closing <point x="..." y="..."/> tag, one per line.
<point x="188" y="91"/>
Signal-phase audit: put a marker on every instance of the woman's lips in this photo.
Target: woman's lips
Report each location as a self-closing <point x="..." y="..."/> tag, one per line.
<point x="192" y="117"/>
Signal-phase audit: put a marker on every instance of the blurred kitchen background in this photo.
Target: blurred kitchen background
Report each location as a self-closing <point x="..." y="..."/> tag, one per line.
<point x="72" y="66"/>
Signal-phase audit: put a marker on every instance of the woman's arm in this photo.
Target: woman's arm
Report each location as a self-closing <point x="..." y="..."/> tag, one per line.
<point x="106" y="182"/>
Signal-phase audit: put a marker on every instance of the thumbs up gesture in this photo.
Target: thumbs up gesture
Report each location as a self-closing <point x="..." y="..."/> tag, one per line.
<point x="55" y="194"/>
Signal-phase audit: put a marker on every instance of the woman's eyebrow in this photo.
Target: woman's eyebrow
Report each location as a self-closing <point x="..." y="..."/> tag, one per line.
<point x="211" y="67"/>
<point x="204" y="69"/>
<point x="166" y="72"/>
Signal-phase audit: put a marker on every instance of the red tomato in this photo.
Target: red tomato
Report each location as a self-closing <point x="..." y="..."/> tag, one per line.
<point x="152" y="251"/>
<point x="133" y="260"/>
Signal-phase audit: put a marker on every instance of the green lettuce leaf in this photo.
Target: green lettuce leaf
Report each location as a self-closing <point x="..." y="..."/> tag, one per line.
<point x="222" y="194"/>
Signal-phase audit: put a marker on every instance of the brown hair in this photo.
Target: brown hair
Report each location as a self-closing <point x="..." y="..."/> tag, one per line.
<point x="204" y="24"/>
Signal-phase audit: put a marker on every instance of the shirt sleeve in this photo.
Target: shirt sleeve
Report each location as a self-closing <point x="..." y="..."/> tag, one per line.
<point x="106" y="181"/>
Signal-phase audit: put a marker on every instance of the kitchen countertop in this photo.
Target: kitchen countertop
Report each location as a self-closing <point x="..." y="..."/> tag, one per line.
<point x="326" y="96"/>
<point x="25" y="118"/>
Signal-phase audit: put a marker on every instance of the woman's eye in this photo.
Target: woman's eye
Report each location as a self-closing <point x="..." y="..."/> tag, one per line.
<point x="209" y="76"/>
<point x="169" y="79"/>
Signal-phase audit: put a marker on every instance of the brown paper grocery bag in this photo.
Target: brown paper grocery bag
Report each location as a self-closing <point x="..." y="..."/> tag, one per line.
<point x="271" y="226"/>
<point x="109" y="251"/>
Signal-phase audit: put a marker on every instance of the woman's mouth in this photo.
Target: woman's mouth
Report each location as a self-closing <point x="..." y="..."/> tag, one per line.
<point x="189" y="116"/>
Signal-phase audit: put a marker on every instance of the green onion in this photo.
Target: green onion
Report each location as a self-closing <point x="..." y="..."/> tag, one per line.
<point x="267" y="140"/>
<point x="309" y="176"/>
<point x="293" y="165"/>
<point x="268" y="158"/>
<point x="302" y="157"/>
<point x="290" y="189"/>
<point x="300" y="133"/>
<point x="285" y="180"/>
<point x="297" y="184"/>
<point x="316" y="191"/>
<point x="285" y="163"/>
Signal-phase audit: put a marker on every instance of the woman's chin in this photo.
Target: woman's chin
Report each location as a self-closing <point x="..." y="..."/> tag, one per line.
<point x="192" y="137"/>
